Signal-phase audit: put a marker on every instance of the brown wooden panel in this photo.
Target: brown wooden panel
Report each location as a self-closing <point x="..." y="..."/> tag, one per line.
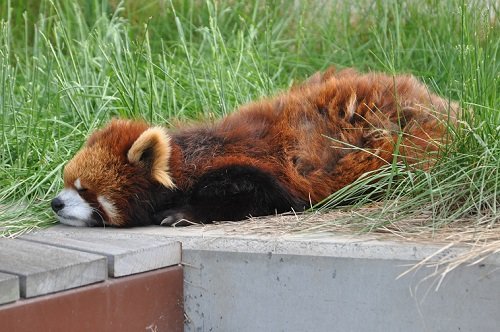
<point x="150" y="301"/>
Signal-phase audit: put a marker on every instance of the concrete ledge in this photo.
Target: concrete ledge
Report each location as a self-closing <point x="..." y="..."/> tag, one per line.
<point x="318" y="282"/>
<point x="214" y="237"/>
<point x="321" y="282"/>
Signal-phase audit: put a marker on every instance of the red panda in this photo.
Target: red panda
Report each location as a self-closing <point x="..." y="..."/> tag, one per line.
<point x="271" y="156"/>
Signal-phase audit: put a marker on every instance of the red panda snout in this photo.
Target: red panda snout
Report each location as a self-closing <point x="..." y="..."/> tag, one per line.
<point x="80" y="205"/>
<point x="72" y="209"/>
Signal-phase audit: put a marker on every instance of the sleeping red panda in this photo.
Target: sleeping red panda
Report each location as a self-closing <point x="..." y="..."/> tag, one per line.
<point x="271" y="156"/>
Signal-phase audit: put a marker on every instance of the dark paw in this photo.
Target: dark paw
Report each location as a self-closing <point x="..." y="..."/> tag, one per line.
<point x="172" y="218"/>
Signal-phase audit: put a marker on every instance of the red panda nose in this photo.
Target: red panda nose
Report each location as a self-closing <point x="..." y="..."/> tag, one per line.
<point x="57" y="204"/>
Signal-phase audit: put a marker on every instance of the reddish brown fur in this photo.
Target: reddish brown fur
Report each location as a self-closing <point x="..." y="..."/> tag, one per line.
<point x="314" y="139"/>
<point x="289" y="135"/>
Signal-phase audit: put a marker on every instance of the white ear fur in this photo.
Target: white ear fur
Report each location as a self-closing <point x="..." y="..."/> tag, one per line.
<point x="156" y="139"/>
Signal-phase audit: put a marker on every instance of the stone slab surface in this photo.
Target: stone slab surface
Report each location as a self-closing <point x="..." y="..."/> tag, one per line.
<point x="214" y="238"/>
<point x="9" y="288"/>
<point x="44" y="269"/>
<point x="127" y="254"/>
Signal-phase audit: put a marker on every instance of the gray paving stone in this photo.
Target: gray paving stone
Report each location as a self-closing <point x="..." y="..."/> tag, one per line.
<point x="44" y="269"/>
<point x="9" y="288"/>
<point x="127" y="254"/>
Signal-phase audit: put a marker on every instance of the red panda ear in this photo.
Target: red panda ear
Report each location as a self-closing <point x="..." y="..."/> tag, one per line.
<point x="152" y="149"/>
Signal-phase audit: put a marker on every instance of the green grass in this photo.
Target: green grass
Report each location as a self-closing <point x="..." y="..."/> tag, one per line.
<point x="66" y="67"/>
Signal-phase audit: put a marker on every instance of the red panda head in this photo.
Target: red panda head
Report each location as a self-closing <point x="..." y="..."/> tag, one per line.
<point x="111" y="180"/>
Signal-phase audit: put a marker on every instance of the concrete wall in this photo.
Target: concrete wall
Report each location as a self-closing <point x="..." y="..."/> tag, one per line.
<point x="318" y="282"/>
<point x="232" y="291"/>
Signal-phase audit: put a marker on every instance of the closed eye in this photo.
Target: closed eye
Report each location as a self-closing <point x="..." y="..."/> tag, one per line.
<point x="81" y="190"/>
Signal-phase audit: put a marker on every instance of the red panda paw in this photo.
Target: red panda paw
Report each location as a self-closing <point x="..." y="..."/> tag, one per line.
<point x="173" y="218"/>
